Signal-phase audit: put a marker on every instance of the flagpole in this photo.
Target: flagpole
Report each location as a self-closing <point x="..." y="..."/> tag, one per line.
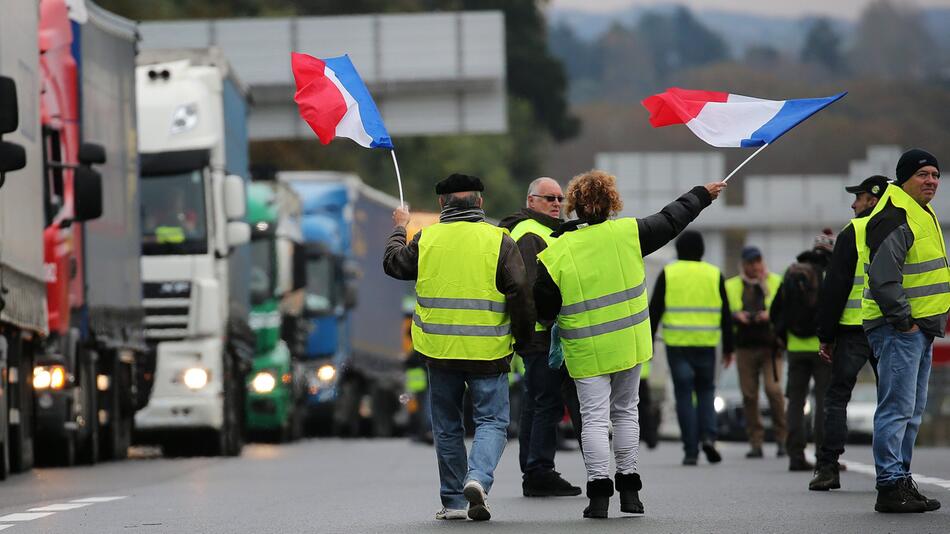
<point x="754" y="154"/>
<point x="402" y="203"/>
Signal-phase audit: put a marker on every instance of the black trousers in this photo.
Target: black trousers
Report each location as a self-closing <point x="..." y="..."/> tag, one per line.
<point x="802" y="367"/>
<point x="852" y="352"/>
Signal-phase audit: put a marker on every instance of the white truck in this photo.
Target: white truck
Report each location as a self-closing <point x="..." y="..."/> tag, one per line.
<point x="192" y="117"/>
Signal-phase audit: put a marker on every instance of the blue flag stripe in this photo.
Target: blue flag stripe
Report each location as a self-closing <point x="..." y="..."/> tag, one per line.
<point x="791" y="114"/>
<point x="369" y="114"/>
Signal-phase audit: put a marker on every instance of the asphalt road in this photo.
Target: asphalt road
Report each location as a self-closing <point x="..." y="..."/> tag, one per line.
<point x="391" y="486"/>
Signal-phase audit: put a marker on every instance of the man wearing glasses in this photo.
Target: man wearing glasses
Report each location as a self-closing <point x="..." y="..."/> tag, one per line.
<point x="531" y="228"/>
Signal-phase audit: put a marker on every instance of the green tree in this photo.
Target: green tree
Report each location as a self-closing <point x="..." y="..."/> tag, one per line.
<point x="823" y="46"/>
<point x="679" y="41"/>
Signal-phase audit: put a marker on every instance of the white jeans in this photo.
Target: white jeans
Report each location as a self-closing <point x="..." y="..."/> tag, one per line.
<point x="609" y="399"/>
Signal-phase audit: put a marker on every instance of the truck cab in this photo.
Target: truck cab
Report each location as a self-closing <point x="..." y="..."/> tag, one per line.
<point x="192" y="115"/>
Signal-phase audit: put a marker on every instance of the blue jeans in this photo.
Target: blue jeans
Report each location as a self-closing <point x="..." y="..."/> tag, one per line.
<point x="694" y="371"/>
<point x="903" y="371"/>
<point x="542" y="410"/>
<point x="490" y="413"/>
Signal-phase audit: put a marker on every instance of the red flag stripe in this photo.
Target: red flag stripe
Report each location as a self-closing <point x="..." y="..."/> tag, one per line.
<point x="318" y="98"/>
<point x="679" y="106"/>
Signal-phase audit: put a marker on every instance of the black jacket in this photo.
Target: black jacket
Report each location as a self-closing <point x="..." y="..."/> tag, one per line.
<point x="401" y="261"/>
<point x="818" y="258"/>
<point x="654" y="231"/>
<point x="530" y="245"/>
<point x="837" y="284"/>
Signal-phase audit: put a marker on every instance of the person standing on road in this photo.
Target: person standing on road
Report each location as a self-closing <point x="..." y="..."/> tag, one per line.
<point x="906" y="298"/>
<point x="543" y="407"/>
<point x="793" y="313"/>
<point x="592" y="280"/>
<point x="689" y="299"/>
<point x="473" y="310"/>
<point x="843" y="343"/>
<point x="750" y="295"/>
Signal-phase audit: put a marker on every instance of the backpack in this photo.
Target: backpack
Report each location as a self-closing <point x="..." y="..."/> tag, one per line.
<point x="800" y="298"/>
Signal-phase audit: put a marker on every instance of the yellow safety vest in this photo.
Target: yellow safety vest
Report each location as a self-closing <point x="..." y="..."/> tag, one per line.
<point x="693" y="304"/>
<point x="851" y="316"/>
<point x="604" y="321"/>
<point x="926" y="274"/>
<point x="734" y="291"/>
<point x="460" y="314"/>
<point x="531" y="226"/>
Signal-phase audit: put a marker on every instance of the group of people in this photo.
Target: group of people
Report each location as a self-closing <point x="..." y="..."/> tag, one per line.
<point x="570" y="298"/>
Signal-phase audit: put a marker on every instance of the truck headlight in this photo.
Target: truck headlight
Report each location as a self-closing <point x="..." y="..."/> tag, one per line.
<point x="263" y="382"/>
<point x="195" y="378"/>
<point x="719" y="404"/>
<point x="184" y="118"/>
<point x="326" y="373"/>
<point x="49" y="377"/>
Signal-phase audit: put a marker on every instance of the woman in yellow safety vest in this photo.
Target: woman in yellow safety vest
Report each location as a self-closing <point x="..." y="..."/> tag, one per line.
<point x="592" y="280"/>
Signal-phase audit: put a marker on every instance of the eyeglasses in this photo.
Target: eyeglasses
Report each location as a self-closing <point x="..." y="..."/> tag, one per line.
<point x="549" y="198"/>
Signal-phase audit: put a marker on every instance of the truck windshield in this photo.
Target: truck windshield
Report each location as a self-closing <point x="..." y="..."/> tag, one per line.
<point x="321" y="278"/>
<point x="173" y="214"/>
<point x="262" y="269"/>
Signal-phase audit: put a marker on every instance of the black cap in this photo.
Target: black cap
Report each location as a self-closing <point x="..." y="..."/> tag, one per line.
<point x="750" y="253"/>
<point x="912" y="161"/>
<point x="875" y="185"/>
<point x="458" y="183"/>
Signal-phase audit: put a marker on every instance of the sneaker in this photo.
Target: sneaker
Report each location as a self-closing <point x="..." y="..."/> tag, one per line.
<point x="898" y="499"/>
<point x="826" y="478"/>
<point x="781" y="451"/>
<point x="690" y="460"/>
<point x="450" y="514"/>
<point x="712" y="455"/>
<point x="931" y="504"/>
<point x="478" y="509"/>
<point x="800" y="464"/>
<point x="548" y="484"/>
<point x="754" y="452"/>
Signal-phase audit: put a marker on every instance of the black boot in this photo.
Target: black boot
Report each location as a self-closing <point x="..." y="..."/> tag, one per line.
<point x="599" y="492"/>
<point x="897" y="499"/>
<point x="548" y="484"/>
<point x="930" y="505"/>
<point x="628" y="486"/>
<point x="826" y="478"/>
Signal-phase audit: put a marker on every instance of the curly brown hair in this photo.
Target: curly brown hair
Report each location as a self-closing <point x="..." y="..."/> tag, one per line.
<point x="593" y="195"/>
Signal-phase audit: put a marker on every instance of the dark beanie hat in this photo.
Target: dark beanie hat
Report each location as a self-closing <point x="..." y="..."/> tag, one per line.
<point x="690" y="246"/>
<point x="912" y="161"/>
<point x="458" y="183"/>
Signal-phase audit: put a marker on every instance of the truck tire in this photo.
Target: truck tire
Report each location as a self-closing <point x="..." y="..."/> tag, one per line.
<point x="346" y="410"/>
<point x="87" y="450"/>
<point x="384" y="410"/>
<point x="115" y="436"/>
<point x="230" y="439"/>
<point x="20" y="365"/>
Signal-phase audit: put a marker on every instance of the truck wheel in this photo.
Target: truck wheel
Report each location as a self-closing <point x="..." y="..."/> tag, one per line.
<point x="230" y="439"/>
<point x="346" y="410"/>
<point x="87" y="451"/>
<point x="383" y="412"/>
<point x="115" y="436"/>
<point x="20" y="403"/>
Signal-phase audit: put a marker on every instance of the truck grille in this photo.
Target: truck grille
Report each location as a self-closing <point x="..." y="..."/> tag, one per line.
<point x="166" y="310"/>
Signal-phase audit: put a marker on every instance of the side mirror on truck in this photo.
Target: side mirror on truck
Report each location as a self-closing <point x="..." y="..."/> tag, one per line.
<point x="91" y="154"/>
<point x="87" y="190"/>
<point x="300" y="267"/>
<point x="9" y="116"/>
<point x="238" y="233"/>
<point x="12" y="157"/>
<point x="351" y="280"/>
<point x="235" y="200"/>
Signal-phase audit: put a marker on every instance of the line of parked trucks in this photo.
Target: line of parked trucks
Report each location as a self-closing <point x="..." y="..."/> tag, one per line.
<point x="149" y="290"/>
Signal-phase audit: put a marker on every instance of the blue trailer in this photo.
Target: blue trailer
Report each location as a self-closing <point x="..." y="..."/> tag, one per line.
<point x="354" y="355"/>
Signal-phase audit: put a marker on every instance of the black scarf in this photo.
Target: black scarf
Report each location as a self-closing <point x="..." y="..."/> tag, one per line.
<point x="454" y="214"/>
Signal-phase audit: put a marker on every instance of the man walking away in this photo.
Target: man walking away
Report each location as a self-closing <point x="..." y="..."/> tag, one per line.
<point x="543" y="407"/>
<point x="472" y="303"/>
<point x="904" y="307"/>
<point x="689" y="299"/>
<point x="843" y="343"/>
<point x="793" y="314"/>
<point x="750" y="296"/>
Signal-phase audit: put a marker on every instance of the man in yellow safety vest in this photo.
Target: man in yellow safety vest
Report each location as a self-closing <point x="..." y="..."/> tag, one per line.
<point x="473" y="310"/>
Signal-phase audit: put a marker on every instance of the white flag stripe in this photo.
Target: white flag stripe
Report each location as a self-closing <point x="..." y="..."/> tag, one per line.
<point x="351" y="125"/>
<point x="62" y="507"/>
<point x="726" y="124"/>
<point x="24" y="516"/>
<point x="99" y="499"/>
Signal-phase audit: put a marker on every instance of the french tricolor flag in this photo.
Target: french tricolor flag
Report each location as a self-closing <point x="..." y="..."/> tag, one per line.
<point x="728" y="120"/>
<point x="335" y="102"/>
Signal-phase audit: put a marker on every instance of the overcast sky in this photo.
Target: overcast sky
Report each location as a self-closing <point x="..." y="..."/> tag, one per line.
<point x="837" y="8"/>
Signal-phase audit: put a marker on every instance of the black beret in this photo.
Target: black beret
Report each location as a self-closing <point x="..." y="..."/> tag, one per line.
<point x="458" y="183"/>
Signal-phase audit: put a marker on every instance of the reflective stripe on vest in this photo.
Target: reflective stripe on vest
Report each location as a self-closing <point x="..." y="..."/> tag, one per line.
<point x="604" y="321"/>
<point x="693" y="304"/>
<point x="851" y="315"/>
<point x="460" y="314"/>
<point x="531" y="226"/>
<point x="734" y="291"/>
<point x="926" y="276"/>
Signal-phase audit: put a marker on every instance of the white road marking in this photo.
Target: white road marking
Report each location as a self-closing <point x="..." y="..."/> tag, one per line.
<point x="91" y="500"/>
<point x="866" y="469"/>
<point x="25" y="516"/>
<point x="59" y="507"/>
